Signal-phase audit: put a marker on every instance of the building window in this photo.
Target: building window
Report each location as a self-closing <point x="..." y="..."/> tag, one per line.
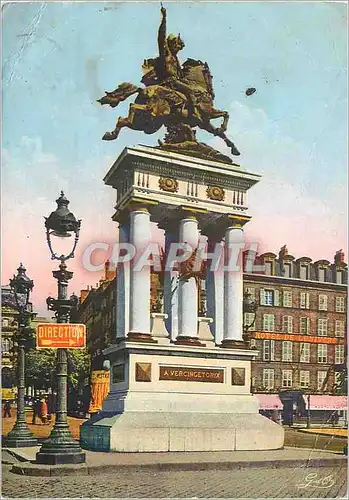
<point x="268" y="297"/>
<point x="268" y="350"/>
<point x="304" y="300"/>
<point x="321" y="377"/>
<point x="339" y="354"/>
<point x="321" y="274"/>
<point x="339" y="328"/>
<point x="287" y="351"/>
<point x="268" y="268"/>
<point x="287" y="270"/>
<point x="304" y="355"/>
<point x="340" y="304"/>
<point x="304" y="326"/>
<point x="286" y="378"/>
<point x="5" y="345"/>
<point x="322" y="327"/>
<point x="303" y="272"/>
<point x="287" y="324"/>
<point x="249" y="319"/>
<point x="268" y="322"/>
<point x="322" y="302"/>
<point x="339" y="277"/>
<point x="268" y="378"/>
<point x="287" y="298"/>
<point x="322" y="353"/>
<point x="4" y="322"/>
<point x="304" y="378"/>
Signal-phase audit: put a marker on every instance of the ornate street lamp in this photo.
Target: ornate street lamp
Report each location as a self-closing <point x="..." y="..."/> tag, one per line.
<point x="248" y="306"/>
<point x="61" y="448"/>
<point x="21" y="285"/>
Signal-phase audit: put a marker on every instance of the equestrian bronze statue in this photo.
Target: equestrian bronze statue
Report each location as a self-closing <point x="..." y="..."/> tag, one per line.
<point x="180" y="97"/>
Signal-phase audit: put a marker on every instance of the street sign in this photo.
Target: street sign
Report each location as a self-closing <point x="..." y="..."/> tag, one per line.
<point x="60" y="335"/>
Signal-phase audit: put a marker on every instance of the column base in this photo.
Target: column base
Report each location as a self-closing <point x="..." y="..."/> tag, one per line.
<point x="60" y="448"/>
<point x="20" y="437"/>
<point x="186" y="340"/>
<point x="233" y="344"/>
<point x="61" y="457"/>
<point x="140" y="337"/>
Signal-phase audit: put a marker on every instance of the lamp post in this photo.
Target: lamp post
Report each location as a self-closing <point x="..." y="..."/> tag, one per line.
<point x="308" y="411"/>
<point x="248" y="306"/>
<point x="21" y="285"/>
<point x="61" y="448"/>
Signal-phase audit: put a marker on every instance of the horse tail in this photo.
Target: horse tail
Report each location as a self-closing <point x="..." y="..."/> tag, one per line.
<point x="121" y="93"/>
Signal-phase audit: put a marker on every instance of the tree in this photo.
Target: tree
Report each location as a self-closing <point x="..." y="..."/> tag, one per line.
<point x="79" y="364"/>
<point x="41" y="368"/>
<point x="341" y="385"/>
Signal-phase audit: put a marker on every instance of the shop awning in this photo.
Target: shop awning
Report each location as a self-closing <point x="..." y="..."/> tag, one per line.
<point x="323" y="402"/>
<point x="269" y="402"/>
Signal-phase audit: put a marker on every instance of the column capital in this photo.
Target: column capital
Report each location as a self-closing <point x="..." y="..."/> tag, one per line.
<point x="135" y="204"/>
<point x="237" y="221"/>
<point x="187" y="212"/>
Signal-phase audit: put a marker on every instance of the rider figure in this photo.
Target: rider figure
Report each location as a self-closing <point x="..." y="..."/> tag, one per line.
<point x="171" y="74"/>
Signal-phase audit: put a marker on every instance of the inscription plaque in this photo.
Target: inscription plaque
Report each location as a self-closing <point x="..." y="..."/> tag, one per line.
<point x="186" y="374"/>
<point x="143" y="372"/>
<point x="238" y="376"/>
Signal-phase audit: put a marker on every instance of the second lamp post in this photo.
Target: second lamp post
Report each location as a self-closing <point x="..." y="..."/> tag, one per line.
<point x="61" y="448"/>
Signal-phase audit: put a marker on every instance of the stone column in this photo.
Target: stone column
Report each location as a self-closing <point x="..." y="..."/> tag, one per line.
<point x="233" y="284"/>
<point x="187" y="289"/>
<point x="123" y="287"/>
<point x="140" y="235"/>
<point x="215" y="286"/>
<point x="171" y="282"/>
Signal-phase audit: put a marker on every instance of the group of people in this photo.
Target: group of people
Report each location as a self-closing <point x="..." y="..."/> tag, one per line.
<point x="40" y="409"/>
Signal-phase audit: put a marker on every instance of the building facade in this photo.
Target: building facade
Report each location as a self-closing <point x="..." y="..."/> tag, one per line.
<point x="9" y="326"/>
<point x="97" y="310"/>
<point x="299" y="328"/>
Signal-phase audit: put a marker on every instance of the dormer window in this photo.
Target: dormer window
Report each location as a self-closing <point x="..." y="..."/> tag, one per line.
<point x="287" y="270"/>
<point x="303" y="264"/>
<point x="304" y="272"/>
<point x="339" y="276"/>
<point x="269" y="268"/>
<point x="321" y="274"/>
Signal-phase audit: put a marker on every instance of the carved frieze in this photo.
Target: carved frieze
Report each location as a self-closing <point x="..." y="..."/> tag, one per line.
<point x="168" y="184"/>
<point x="215" y="193"/>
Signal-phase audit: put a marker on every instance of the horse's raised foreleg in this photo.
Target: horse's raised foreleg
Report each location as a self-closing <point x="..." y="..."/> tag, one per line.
<point x="218" y="132"/>
<point x="217" y="113"/>
<point x="124" y="122"/>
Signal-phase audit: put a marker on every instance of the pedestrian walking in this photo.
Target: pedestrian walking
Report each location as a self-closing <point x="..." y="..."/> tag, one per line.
<point x="36" y="410"/>
<point x="7" y="409"/>
<point x="43" y="411"/>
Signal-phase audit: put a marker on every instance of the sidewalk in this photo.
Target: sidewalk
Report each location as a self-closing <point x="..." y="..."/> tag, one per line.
<point x="22" y="460"/>
<point x="327" y="431"/>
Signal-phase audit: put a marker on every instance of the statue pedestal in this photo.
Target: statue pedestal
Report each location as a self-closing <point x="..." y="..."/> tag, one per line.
<point x="179" y="398"/>
<point x="174" y="389"/>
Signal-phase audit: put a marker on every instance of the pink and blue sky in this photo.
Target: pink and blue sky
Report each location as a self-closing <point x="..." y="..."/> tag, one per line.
<point x="58" y="58"/>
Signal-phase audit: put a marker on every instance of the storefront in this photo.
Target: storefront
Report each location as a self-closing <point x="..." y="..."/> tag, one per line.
<point x="324" y="408"/>
<point x="270" y="406"/>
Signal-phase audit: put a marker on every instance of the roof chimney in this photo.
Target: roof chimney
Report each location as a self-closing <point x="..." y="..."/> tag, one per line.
<point x="339" y="257"/>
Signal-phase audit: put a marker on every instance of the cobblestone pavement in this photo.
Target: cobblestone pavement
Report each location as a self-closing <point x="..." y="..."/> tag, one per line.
<point x="323" y="482"/>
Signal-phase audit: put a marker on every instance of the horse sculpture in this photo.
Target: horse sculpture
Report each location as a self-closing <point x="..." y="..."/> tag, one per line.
<point x="158" y="104"/>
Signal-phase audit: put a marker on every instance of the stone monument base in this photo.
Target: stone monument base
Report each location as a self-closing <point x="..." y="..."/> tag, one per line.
<point x="179" y="398"/>
<point x="159" y="432"/>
